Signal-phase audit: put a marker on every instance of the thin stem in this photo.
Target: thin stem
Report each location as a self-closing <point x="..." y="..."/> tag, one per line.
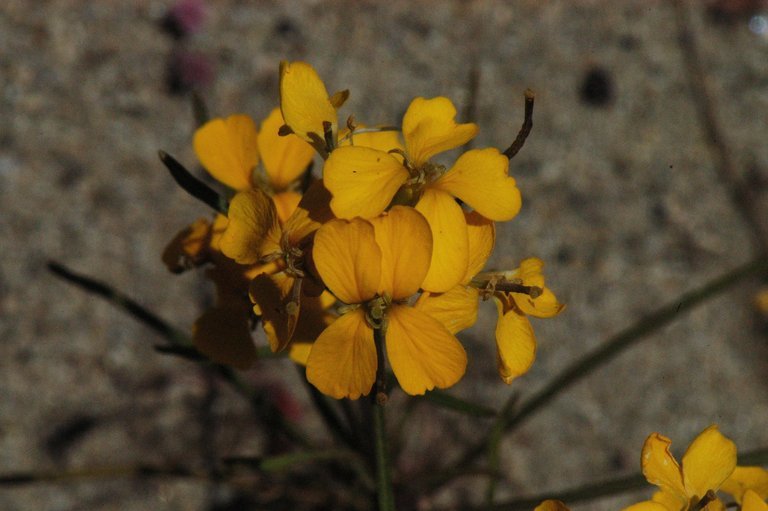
<point x="494" y="443"/>
<point x="328" y="414"/>
<point x="386" y="497"/>
<point x="192" y="185"/>
<point x="606" y="352"/>
<point x="525" y="129"/>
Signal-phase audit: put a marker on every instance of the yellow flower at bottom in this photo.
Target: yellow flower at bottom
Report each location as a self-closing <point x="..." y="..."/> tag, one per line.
<point x="374" y="267"/>
<point x="708" y="462"/>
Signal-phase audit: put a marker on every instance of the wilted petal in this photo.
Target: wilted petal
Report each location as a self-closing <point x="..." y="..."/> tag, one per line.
<point x="362" y="180"/>
<point x="284" y="158"/>
<point x="189" y="248"/>
<point x="450" y="240"/>
<point x="405" y="240"/>
<point x="342" y="362"/>
<point x="429" y="128"/>
<point x="660" y="468"/>
<point x="480" y="178"/>
<point x="348" y="259"/>
<point x="278" y="303"/>
<point x="222" y="334"/>
<point x="515" y="343"/>
<point x="709" y="460"/>
<point x="422" y="352"/>
<point x="304" y="101"/>
<point x="228" y="150"/>
<point x="253" y="229"/>
<point x="456" y="309"/>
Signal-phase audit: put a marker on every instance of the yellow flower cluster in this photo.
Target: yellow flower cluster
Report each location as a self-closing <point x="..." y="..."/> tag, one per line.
<point x="383" y="254"/>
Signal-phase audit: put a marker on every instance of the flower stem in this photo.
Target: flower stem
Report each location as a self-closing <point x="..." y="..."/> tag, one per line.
<point x="386" y="497"/>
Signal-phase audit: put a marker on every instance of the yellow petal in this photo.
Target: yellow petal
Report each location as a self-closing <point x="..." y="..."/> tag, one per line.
<point x="456" y="309"/>
<point x="480" y="178"/>
<point x="660" y="468"/>
<point x="228" y="150"/>
<point x="342" y="362"/>
<point x="669" y="500"/>
<point x="348" y="259"/>
<point x="278" y="304"/>
<point x="746" y="478"/>
<point x="381" y="140"/>
<point x="222" y="334"/>
<point x="422" y="352"/>
<point x="531" y="272"/>
<point x="405" y="240"/>
<point x="709" y="460"/>
<point x="546" y="304"/>
<point x="313" y="211"/>
<point x="285" y="205"/>
<point x="189" y="248"/>
<point x="482" y="236"/>
<point x="450" y="240"/>
<point x="253" y="229"/>
<point x="649" y="505"/>
<point x="284" y="158"/>
<point x="753" y="502"/>
<point x="515" y="343"/>
<point x="304" y="101"/>
<point x="429" y="127"/>
<point x="551" y="505"/>
<point x="299" y="352"/>
<point x="362" y="181"/>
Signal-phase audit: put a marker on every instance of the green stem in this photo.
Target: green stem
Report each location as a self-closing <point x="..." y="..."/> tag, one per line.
<point x="606" y="352"/>
<point x="385" y="494"/>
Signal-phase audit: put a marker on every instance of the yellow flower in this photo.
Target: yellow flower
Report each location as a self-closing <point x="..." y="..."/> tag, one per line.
<point x="753" y="502"/>
<point x="708" y="462"/>
<point x="374" y="266"/>
<point x="222" y="333"/>
<point x="229" y="149"/>
<point x="515" y="340"/>
<point x="745" y="479"/>
<point x="365" y="181"/>
<point x="308" y="110"/>
<point x="254" y="235"/>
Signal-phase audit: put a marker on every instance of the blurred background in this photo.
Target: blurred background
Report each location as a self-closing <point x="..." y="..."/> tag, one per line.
<point x="645" y="176"/>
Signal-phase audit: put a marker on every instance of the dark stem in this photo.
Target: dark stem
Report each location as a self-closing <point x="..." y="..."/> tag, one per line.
<point x="385" y="494"/>
<point x="525" y="129"/>
<point x="192" y="185"/>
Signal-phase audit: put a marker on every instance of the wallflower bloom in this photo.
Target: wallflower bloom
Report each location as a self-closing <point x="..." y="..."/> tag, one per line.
<point x="254" y="235"/>
<point x="374" y="266"/>
<point x="744" y="479"/>
<point x="230" y="150"/>
<point x="365" y="181"/>
<point x="708" y="462"/>
<point x="515" y="340"/>
<point x="222" y="333"/>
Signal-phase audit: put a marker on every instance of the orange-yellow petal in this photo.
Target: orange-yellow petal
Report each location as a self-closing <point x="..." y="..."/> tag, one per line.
<point x="278" y="303"/>
<point x="660" y="468"/>
<point x="481" y="236"/>
<point x="753" y="502"/>
<point x="299" y="352"/>
<point x="285" y="205"/>
<point x="456" y="309"/>
<point x="429" y="128"/>
<point x="543" y="306"/>
<point x="746" y="478"/>
<point x="362" y="180"/>
<point x="669" y="500"/>
<point x="450" y="240"/>
<point x="342" y="362"/>
<point x="228" y="150"/>
<point x="381" y="140"/>
<point x="189" y="248"/>
<point x="422" y="352"/>
<point x="313" y="211"/>
<point x="348" y="259"/>
<point x="515" y="342"/>
<point x="253" y="229"/>
<point x="709" y="460"/>
<point x="480" y="178"/>
<point x="304" y="101"/>
<point x="284" y="158"/>
<point x="405" y="240"/>
<point x="222" y="334"/>
<point x="551" y="505"/>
